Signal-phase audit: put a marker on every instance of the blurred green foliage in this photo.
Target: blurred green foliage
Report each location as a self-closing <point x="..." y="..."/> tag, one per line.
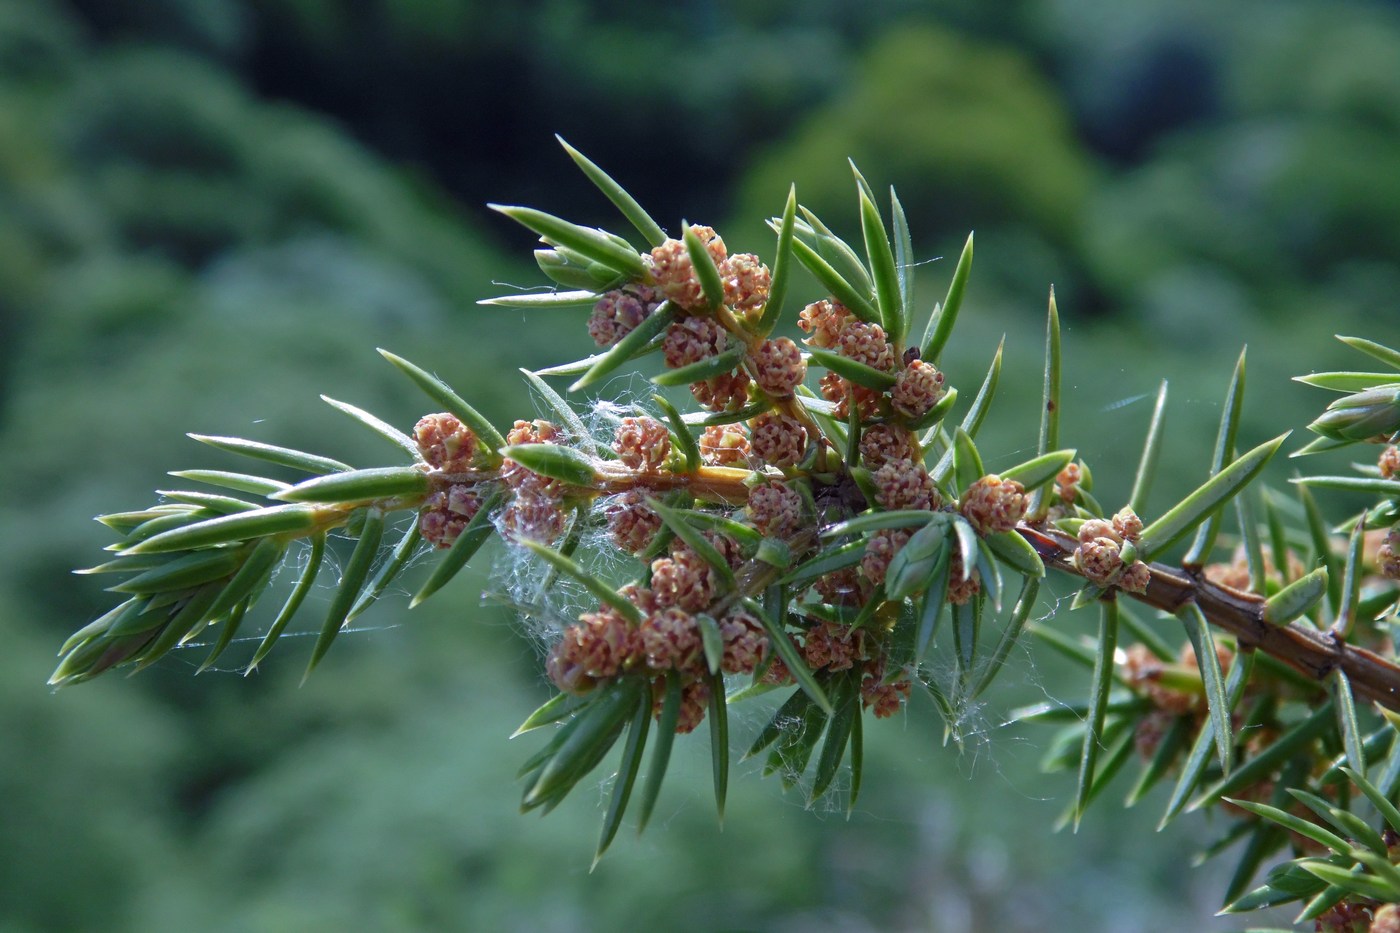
<point x="212" y="211"/>
<point x="968" y="133"/>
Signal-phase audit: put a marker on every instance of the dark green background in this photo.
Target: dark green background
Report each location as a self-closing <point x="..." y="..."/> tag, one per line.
<point x="212" y="211"/>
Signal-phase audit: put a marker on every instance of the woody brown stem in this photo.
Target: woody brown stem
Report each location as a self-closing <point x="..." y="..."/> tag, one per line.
<point x="1312" y="653"/>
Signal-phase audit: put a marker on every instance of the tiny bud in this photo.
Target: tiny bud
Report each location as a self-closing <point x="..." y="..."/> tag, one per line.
<point x="713" y="244"/>
<point x="1143" y="672"/>
<point x="916" y="390"/>
<point x="1135" y="578"/>
<point x="1126" y="524"/>
<point x="960" y="591"/>
<point x="1067" y="483"/>
<point x="1386" y="920"/>
<point x="880" y="550"/>
<point x="538" y="431"/>
<point x="842" y="393"/>
<point x="1097" y="528"/>
<point x="695" y="697"/>
<point x="1346" y="917"/>
<point x="882" y="443"/>
<point x="463" y="500"/>
<point x="777" y="439"/>
<point x="726" y="546"/>
<point x="693" y="339"/>
<point x="639" y="596"/>
<point x="824" y="320"/>
<point x="632" y="522"/>
<point x="1235" y="574"/>
<point x="746" y="282"/>
<point x="532" y="516"/>
<point x="1150" y="730"/>
<point x="778" y="366"/>
<point x="724" y="444"/>
<point x="445" y="514"/>
<point x="992" y="504"/>
<point x="744" y="642"/>
<point x="519" y="478"/>
<point x="684" y="579"/>
<point x="445" y="442"/>
<point x="777" y="674"/>
<point x="725" y="392"/>
<point x="1098" y="560"/>
<point x="566" y="665"/>
<point x="843" y="587"/>
<point x="671" y="640"/>
<point x="866" y="343"/>
<point x="1389" y="462"/>
<point x="643" y="444"/>
<point x="617" y="313"/>
<point x="881" y="698"/>
<point x="831" y="646"/>
<point x="674" y="272"/>
<point x="904" y="484"/>
<point x="1388" y="556"/>
<point x="1362" y="416"/>
<point x="601" y="646"/>
<point x="775" y="510"/>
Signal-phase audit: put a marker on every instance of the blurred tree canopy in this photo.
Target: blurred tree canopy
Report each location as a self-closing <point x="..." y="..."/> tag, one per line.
<point x="211" y="211"/>
<point x="969" y="133"/>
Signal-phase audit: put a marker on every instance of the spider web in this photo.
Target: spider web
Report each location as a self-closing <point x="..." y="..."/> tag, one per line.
<point x="544" y="602"/>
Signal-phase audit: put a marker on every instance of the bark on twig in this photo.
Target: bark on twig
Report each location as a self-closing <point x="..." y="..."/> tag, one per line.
<point x="1312" y="653"/>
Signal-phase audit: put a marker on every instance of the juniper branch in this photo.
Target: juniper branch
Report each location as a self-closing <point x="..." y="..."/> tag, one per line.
<point x="805" y="542"/>
<point x="1315" y="654"/>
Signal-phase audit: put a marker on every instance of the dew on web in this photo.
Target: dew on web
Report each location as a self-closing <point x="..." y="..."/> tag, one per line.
<point x="1130" y="400"/>
<point x="923" y="262"/>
